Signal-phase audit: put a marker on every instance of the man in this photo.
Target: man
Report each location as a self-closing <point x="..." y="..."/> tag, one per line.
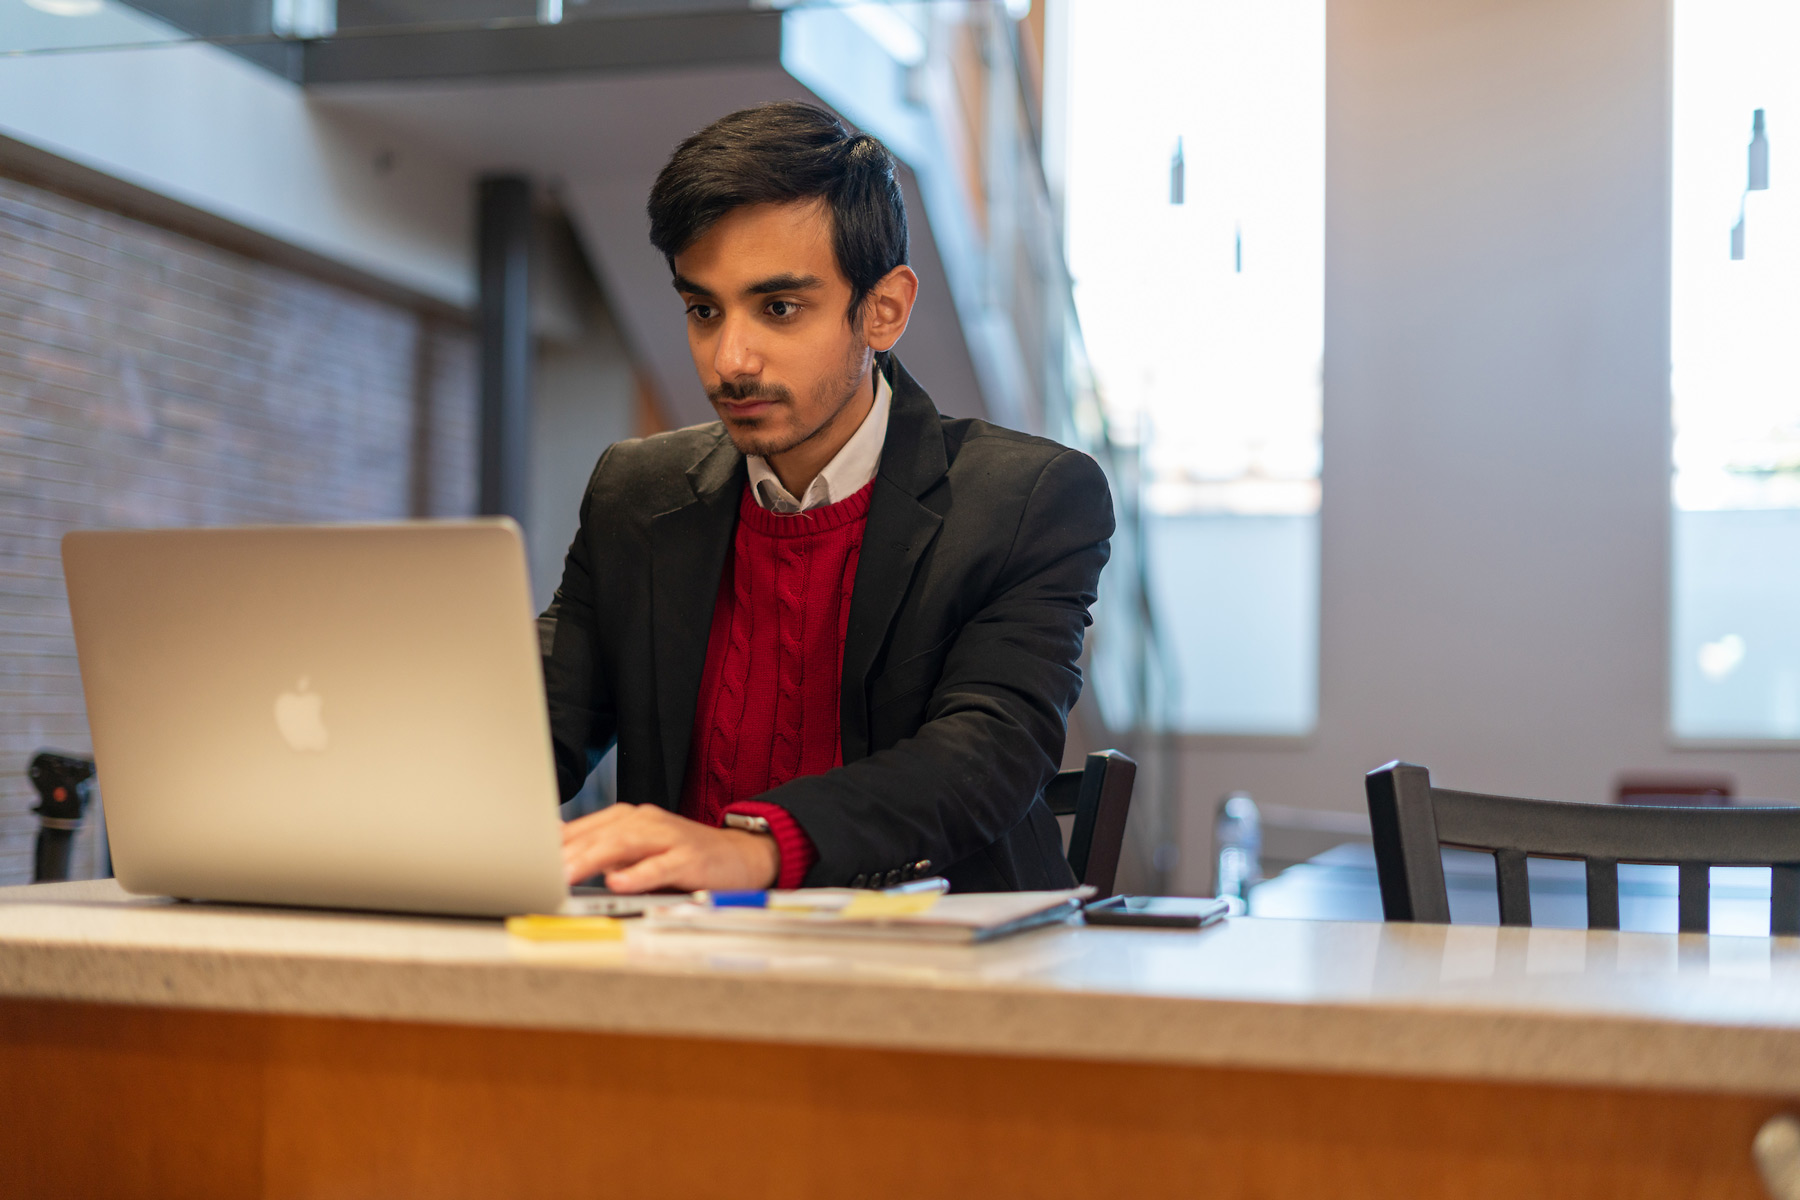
<point x="834" y="633"/>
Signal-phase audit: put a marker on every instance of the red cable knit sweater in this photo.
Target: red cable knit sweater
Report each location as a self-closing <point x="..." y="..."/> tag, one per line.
<point x="768" y="707"/>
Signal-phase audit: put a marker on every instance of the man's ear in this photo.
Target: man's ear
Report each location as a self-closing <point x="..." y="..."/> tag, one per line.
<point x="888" y="307"/>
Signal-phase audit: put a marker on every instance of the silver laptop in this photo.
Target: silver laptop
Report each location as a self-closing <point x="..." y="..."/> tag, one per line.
<point x="344" y="716"/>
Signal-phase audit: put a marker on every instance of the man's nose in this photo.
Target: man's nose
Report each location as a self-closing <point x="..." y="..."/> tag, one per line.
<point x="735" y="355"/>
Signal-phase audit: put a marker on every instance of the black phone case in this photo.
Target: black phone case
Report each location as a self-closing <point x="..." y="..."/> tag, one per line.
<point x="1115" y="910"/>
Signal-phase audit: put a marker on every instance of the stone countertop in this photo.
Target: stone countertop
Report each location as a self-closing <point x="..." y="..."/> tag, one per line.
<point x="1470" y="1002"/>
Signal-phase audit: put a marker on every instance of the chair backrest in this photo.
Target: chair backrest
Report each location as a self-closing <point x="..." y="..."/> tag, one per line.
<point x="1098" y="795"/>
<point x="1410" y="819"/>
<point x="1672" y="791"/>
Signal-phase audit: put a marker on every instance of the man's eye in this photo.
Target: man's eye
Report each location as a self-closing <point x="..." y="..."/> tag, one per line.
<point x="782" y="309"/>
<point x="700" y="312"/>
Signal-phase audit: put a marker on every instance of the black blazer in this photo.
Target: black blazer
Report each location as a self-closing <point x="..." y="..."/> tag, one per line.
<point x="979" y="562"/>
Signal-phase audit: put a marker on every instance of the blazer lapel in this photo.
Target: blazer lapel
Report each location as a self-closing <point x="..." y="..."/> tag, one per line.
<point x="898" y="531"/>
<point x="688" y="548"/>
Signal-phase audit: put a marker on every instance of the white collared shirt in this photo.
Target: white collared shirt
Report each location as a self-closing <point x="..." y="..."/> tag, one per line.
<point x="845" y="475"/>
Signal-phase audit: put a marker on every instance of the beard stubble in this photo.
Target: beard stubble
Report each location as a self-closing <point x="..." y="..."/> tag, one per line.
<point x="832" y="394"/>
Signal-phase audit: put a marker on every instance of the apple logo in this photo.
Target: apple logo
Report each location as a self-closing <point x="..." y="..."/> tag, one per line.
<point x="299" y="715"/>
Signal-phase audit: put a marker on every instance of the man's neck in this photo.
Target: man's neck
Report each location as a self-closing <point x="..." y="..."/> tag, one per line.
<point x="799" y="466"/>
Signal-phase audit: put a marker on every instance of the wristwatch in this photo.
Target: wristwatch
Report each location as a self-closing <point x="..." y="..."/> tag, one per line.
<point x="748" y="823"/>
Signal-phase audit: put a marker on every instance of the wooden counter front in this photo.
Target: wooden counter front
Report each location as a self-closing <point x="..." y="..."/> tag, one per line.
<point x="229" y="1085"/>
<point x="119" y="1102"/>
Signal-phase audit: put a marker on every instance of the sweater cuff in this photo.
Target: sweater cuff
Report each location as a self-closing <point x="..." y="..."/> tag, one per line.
<point x="791" y="843"/>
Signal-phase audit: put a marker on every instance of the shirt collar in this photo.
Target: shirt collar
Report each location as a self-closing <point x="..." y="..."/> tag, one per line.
<point x="845" y="475"/>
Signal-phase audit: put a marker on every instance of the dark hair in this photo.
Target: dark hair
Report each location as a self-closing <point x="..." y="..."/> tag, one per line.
<point x="781" y="152"/>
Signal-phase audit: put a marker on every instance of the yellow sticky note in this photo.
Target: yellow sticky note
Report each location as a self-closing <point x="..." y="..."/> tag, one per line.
<point x="884" y="904"/>
<point x="566" y="929"/>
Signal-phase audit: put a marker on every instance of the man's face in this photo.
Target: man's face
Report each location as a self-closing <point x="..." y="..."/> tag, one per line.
<point x="768" y="324"/>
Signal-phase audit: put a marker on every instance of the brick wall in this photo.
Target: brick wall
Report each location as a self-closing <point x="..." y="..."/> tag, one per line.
<point x="148" y="378"/>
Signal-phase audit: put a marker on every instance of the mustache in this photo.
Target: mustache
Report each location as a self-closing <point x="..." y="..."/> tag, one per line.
<point x="749" y="389"/>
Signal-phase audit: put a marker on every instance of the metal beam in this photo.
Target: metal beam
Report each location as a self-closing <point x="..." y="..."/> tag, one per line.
<point x="573" y="47"/>
<point x="423" y="40"/>
<point x="239" y="27"/>
<point x="503" y="220"/>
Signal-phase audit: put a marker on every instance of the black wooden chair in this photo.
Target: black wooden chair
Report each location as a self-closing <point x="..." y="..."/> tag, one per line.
<point x="1410" y="819"/>
<point x="1098" y="796"/>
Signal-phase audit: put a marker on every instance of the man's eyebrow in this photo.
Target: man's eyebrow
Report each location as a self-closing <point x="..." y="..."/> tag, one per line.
<point x="683" y="284"/>
<point x="784" y="283"/>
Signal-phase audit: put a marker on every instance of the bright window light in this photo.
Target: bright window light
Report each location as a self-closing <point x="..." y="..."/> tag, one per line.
<point x="1734" y="309"/>
<point x="1195" y="200"/>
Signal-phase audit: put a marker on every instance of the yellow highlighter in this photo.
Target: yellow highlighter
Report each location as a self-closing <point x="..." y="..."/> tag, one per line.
<point x="874" y="906"/>
<point x="566" y="929"/>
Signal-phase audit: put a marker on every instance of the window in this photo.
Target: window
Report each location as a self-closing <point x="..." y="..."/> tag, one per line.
<point x="1196" y="206"/>
<point x="1735" y="307"/>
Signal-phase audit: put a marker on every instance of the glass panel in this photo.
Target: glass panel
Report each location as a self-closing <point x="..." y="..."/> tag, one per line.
<point x="1196" y="205"/>
<point x="1737" y="640"/>
<point x="1734" y="307"/>
<point x="29" y="27"/>
<point x="1238" y="595"/>
<point x="354" y="14"/>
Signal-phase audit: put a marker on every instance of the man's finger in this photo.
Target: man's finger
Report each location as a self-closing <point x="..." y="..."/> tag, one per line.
<point x="609" y="822"/>
<point x="611" y="815"/>
<point x="667" y="869"/>
<point x="627" y="834"/>
<point x="605" y="854"/>
<point x="616" y="814"/>
<point x="625" y="843"/>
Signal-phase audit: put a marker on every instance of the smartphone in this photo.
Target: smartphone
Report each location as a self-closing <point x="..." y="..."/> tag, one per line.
<point x="1165" y="912"/>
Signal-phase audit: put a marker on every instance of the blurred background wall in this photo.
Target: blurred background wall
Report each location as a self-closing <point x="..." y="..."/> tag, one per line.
<point x="1493" y="515"/>
<point x="148" y="377"/>
<point x="1495" y="522"/>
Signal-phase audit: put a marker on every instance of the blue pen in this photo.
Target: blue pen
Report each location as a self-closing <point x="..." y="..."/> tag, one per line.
<point x="740" y="899"/>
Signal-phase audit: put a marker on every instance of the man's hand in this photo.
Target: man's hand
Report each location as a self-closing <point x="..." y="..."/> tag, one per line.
<point x="642" y="848"/>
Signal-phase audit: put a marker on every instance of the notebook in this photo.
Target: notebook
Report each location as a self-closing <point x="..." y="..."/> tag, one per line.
<point x="845" y="912"/>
